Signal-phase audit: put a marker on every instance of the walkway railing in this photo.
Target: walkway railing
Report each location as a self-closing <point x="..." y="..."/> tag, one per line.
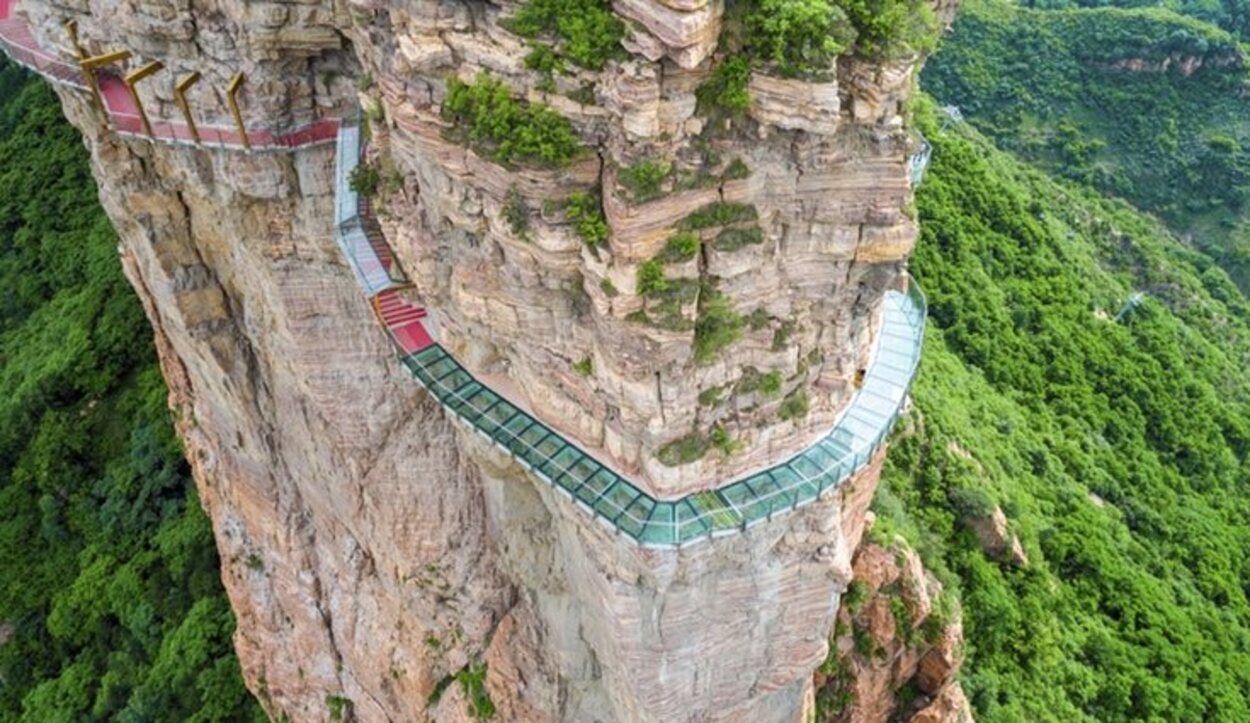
<point x="373" y="264"/>
<point x="617" y="502"/>
<point x="20" y="45"/>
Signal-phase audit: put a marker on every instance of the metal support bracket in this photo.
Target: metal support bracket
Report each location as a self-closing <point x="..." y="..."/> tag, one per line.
<point x="232" y="91"/>
<point x="89" y="66"/>
<point x="180" y="96"/>
<point x="135" y="76"/>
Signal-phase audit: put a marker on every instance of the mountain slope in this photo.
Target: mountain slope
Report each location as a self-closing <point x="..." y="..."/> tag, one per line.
<point x="1144" y="104"/>
<point x="1118" y="450"/>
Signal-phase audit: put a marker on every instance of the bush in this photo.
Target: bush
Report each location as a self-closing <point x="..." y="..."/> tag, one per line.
<point x="736" y="170"/>
<point x="717" y="327"/>
<point x="689" y="448"/>
<point x="645" y="179"/>
<point x="725" y="93"/>
<point x="719" y="213"/>
<point x="680" y="247"/>
<point x="651" y="279"/>
<point x="720" y="439"/>
<point x="733" y="239"/>
<point x="800" y="38"/>
<point x="891" y="28"/>
<point x="585" y="211"/>
<point x="504" y="129"/>
<point x="516" y="213"/>
<point x="794" y="406"/>
<point x="365" y="179"/>
<point x="587" y="32"/>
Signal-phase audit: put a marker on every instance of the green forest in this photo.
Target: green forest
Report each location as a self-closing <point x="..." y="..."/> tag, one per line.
<point x="111" y="602"/>
<point x="1053" y="87"/>
<point x="1118" y="449"/>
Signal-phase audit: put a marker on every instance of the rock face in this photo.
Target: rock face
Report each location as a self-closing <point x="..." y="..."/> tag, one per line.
<point x="375" y="552"/>
<point x="894" y="632"/>
<point x="998" y="540"/>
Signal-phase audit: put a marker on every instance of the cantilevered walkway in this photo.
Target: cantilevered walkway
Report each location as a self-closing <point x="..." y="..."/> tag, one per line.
<point x="588" y="483"/>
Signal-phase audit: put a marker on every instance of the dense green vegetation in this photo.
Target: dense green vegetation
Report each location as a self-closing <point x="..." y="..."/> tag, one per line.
<point x="1232" y="15"/>
<point x="1118" y="450"/>
<point x="110" y="589"/>
<point x="504" y="129"/>
<point x="586" y="32"/>
<point x="1049" y="86"/>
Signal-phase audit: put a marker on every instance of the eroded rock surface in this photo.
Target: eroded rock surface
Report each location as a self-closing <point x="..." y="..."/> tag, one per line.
<point x="895" y="632"/>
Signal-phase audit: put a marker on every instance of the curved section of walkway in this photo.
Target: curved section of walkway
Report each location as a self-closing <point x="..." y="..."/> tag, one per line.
<point x="610" y="497"/>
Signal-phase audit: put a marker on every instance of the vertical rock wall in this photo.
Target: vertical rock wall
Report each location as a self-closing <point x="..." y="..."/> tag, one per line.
<point x="371" y="548"/>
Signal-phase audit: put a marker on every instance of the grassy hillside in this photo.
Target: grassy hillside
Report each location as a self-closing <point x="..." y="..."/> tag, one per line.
<point x="1051" y="87"/>
<point x="1118" y="450"/>
<point x="110" y="594"/>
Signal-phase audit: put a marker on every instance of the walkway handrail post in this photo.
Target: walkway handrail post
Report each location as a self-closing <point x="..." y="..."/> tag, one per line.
<point x="89" y="66"/>
<point x="71" y="27"/>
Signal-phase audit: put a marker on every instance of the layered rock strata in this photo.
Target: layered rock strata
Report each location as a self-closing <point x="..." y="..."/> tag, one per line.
<point x="371" y="549"/>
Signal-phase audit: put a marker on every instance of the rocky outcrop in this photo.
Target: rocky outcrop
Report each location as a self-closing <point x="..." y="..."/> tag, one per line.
<point x="1185" y="65"/>
<point x="997" y="539"/>
<point x="895" y="631"/>
<point x="378" y="555"/>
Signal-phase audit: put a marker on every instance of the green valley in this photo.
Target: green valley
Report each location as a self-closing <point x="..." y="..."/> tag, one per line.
<point x="1144" y="104"/>
<point x="1118" y="449"/>
<point x="111" y="601"/>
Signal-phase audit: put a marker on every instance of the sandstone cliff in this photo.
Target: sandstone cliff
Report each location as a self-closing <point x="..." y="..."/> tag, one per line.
<point x="375" y="552"/>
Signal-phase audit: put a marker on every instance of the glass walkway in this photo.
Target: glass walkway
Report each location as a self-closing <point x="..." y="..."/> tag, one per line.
<point x="595" y="488"/>
<point x="616" y="501"/>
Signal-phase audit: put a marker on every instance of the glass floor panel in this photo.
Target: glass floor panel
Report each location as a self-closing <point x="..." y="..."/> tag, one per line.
<point x="593" y="488"/>
<point x="690" y="525"/>
<point x="557" y="470"/>
<point x="616" y="500"/>
<point x="660" y="528"/>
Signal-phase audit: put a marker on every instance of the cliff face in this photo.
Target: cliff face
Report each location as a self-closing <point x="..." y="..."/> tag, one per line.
<point x="372" y="548"/>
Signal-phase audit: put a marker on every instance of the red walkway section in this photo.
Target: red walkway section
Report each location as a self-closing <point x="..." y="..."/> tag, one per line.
<point x="402" y="319"/>
<point x="19" y="42"/>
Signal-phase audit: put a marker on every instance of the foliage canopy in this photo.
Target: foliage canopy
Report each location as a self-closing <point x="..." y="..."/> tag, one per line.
<point x="111" y="576"/>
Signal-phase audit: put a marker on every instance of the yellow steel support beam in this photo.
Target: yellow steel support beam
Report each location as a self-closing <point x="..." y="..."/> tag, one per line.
<point x="180" y="95"/>
<point x="135" y="76"/>
<point x="232" y="91"/>
<point x="116" y="56"/>
<point x="71" y="27"/>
